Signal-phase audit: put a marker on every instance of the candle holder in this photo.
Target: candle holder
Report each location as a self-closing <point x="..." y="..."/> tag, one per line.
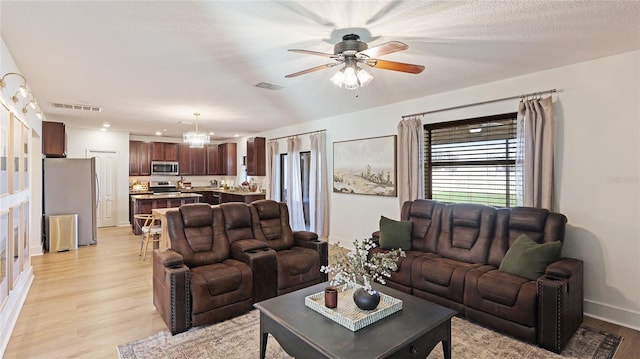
<point x="331" y="297"/>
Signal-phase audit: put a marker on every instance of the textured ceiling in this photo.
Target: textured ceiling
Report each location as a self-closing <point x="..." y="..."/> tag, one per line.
<point x="150" y="65"/>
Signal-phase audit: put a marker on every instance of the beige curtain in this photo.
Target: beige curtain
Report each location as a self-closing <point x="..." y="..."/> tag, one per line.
<point x="294" y="185"/>
<point x="534" y="156"/>
<point x="318" y="192"/>
<point x="273" y="166"/>
<point x="410" y="160"/>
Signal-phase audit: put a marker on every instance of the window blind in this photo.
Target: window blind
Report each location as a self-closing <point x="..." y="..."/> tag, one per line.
<point x="472" y="161"/>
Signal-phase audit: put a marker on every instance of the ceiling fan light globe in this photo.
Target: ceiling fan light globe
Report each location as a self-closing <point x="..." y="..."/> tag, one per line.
<point x="350" y="78"/>
<point x="338" y="78"/>
<point x="364" y="77"/>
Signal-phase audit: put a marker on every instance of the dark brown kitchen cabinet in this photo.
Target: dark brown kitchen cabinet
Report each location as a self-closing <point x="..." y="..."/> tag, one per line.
<point x="227" y="155"/>
<point x="53" y="139"/>
<point x="139" y="158"/>
<point x="213" y="160"/>
<point x="163" y="151"/>
<point x="256" y="157"/>
<point x="184" y="159"/>
<point x="246" y="198"/>
<point x="198" y="162"/>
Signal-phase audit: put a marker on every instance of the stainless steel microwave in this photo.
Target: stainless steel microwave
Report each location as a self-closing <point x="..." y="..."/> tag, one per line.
<point x="167" y="168"/>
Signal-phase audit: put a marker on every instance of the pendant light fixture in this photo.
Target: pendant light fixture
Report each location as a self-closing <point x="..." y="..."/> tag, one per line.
<point x="351" y="76"/>
<point x="196" y="139"/>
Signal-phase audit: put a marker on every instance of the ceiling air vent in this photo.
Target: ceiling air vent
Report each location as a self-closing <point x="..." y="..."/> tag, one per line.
<point x="66" y="106"/>
<point x="268" y="86"/>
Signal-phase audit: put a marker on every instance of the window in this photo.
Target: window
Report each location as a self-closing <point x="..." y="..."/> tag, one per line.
<point x="472" y="161"/>
<point x="305" y="163"/>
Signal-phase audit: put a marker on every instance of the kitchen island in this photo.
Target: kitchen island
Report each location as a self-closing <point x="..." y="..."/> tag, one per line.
<point x="144" y="203"/>
<point x="216" y="195"/>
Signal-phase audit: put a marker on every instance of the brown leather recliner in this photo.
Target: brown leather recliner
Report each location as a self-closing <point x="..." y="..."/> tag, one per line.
<point x="299" y="254"/>
<point x="197" y="282"/>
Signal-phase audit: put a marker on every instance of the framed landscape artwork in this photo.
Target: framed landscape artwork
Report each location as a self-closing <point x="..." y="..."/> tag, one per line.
<point x="365" y="166"/>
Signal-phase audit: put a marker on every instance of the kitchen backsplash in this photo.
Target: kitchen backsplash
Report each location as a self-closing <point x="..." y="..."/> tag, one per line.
<point x="200" y="181"/>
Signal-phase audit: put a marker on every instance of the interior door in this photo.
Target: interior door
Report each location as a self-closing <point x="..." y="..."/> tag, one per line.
<point x="106" y="168"/>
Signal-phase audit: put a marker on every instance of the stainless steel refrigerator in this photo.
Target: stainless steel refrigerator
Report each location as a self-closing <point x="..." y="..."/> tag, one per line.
<point x="70" y="186"/>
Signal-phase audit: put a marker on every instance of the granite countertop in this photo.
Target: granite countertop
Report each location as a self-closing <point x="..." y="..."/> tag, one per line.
<point x="165" y="196"/>
<point x="140" y="191"/>
<point x="219" y="190"/>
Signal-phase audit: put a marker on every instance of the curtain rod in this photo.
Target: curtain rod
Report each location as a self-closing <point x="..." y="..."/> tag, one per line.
<point x="297" y="134"/>
<point x="481" y="103"/>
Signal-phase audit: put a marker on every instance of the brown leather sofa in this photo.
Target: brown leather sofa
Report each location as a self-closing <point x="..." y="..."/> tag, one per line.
<point x="456" y="250"/>
<point x="220" y="263"/>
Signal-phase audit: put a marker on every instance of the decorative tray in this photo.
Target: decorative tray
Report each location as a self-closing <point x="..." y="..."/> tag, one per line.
<point x="347" y="313"/>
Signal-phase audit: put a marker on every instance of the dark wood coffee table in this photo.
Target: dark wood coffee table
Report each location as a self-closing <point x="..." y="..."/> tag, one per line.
<point x="303" y="333"/>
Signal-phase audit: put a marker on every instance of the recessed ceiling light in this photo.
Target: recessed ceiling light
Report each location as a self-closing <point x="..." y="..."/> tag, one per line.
<point x="164" y="130"/>
<point x="158" y="133"/>
<point x="103" y="129"/>
<point x="106" y="125"/>
<point x="236" y="135"/>
<point x="211" y="133"/>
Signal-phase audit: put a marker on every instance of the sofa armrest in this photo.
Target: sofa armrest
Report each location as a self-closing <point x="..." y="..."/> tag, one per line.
<point x="560" y="303"/>
<point x="322" y="247"/>
<point x="247" y="245"/>
<point x="263" y="263"/>
<point x="305" y="236"/>
<point x="169" y="258"/>
<point x="564" y="268"/>
<point x="171" y="290"/>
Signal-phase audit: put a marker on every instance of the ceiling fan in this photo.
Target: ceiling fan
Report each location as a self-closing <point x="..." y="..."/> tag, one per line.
<point x="351" y="51"/>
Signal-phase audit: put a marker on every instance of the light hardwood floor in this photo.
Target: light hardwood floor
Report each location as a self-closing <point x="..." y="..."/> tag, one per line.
<point x="83" y="303"/>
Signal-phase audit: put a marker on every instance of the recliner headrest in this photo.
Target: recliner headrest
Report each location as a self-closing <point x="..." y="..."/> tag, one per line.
<point x="267" y="209"/>
<point x="197" y="215"/>
<point x="528" y="219"/>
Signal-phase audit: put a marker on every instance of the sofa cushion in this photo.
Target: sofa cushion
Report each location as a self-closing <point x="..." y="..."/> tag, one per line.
<point x="440" y="276"/>
<point x="297" y="266"/>
<point x="500" y="287"/>
<point x="528" y="259"/>
<point x="395" y="234"/>
<point x="220" y="284"/>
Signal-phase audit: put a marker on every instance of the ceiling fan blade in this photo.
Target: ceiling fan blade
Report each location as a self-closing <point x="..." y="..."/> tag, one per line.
<point x="386" y="48"/>
<point x="321" y="67"/>
<point x="395" y="66"/>
<point x="312" y="53"/>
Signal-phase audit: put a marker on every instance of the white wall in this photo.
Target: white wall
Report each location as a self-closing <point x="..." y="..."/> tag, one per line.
<point x="80" y="140"/>
<point x="597" y="110"/>
<point x="11" y="308"/>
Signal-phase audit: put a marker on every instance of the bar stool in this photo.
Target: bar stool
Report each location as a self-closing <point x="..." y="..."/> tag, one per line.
<point x="150" y="232"/>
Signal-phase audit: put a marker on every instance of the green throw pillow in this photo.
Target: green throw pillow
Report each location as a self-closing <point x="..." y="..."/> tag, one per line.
<point x="528" y="259"/>
<point x="395" y="234"/>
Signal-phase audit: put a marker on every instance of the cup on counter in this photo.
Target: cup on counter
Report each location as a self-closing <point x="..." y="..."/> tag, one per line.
<point x="331" y="297"/>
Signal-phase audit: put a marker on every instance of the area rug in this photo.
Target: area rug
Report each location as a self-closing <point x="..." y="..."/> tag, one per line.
<point x="238" y="338"/>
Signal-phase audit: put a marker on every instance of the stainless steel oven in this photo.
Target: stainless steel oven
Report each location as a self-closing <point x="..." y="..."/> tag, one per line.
<point x="168" y="168"/>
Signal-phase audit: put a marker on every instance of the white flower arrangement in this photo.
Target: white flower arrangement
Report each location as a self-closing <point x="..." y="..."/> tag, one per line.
<point x="355" y="267"/>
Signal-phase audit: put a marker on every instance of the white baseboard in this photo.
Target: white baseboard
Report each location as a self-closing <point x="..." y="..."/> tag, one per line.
<point x="12" y="308"/>
<point x="612" y="314"/>
<point x="36" y="251"/>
